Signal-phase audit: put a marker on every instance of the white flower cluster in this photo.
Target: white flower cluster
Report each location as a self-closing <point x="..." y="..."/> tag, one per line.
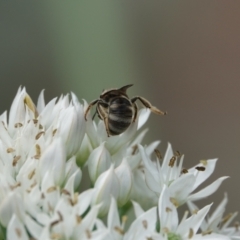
<point x="45" y="148"/>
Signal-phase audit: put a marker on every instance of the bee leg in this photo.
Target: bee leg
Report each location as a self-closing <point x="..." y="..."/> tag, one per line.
<point x="91" y="104"/>
<point x="135" y="111"/>
<point x="106" y="125"/>
<point x="147" y="104"/>
<point x="103" y="115"/>
<point x="94" y="115"/>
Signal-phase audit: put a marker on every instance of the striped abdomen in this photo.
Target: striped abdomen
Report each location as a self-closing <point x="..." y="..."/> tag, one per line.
<point x="119" y="115"/>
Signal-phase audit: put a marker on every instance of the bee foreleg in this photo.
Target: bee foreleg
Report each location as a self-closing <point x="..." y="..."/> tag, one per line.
<point x="135" y="111"/>
<point x="147" y="104"/>
<point x="91" y="104"/>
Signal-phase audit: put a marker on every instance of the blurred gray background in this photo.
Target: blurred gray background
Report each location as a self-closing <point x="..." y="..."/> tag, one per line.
<point x="183" y="56"/>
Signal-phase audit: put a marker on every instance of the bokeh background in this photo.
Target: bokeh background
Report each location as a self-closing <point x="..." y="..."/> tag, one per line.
<point x="184" y="56"/>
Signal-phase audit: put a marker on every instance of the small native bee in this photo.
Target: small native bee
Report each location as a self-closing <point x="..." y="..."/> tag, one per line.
<point x="118" y="111"/>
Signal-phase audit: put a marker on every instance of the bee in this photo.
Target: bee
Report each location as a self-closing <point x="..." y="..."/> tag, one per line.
<point x="117" y="110"/>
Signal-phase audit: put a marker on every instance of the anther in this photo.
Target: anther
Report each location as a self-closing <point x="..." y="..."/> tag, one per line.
<point x="51" y="189"/>
<point x="18" y="125"/>
<point x="18" y="232"/>
<point x="145" y="224"/>
<point x="10" y="150"/>
<point x="174" y="201"/>
<point x="168" y="209"/>
<point x="39" y="135"/>
<point x="158" y="154"/>
<point x="135" y="148"/>
<point x="78" y="219"/>
<point x="200" y="168"/>
<point x="54" y="132"/>
<point x="66" y="192"/>
<point x="31" y="174"/>
<point x="15" y="160"/>
<point x="172" y="161"/>
<point x="88" y="234"/>
<point x="119" y="230"/>
<point x="190" y="234"/>
<point x="29" y="103"/>
<point x="184" y="171"/>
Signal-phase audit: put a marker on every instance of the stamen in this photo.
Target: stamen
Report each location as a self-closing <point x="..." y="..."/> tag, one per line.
<point x="184" y="171"/>
<point x="35" y="121"/>
<point x="195" y="211"/>
<point x="18" y="184"/>
<point x="227" y="217"/>
<point x="158" y="154"/>
<point x="172" y="161"/>
<point x="18" y="125"/>
<point x="33" y="185"/>
<point x="39" y="135"/>
<point x="15" y="160"/>
<point x="203" y="162"/>
<point x="177" y="154"/>
<point x="29" y="103"/>
<point x="78" y="219"/>
<point x="207" y="232"/>
<point x="66" y="192"/>
<point x="31" y="174"/>
<point x="18" y="232"/>
<point x="165" y="230"/>
<point x="10" y="150"/>
<point x="200" y="168"/>
<point x="168" y="209"/>
<point x="236" y="225"/>
<point x="119" y="230"/>
<point x="190" y="234"/>
<point x="51" y="189"/>
<point x="145" y="224"/>
<point x="124" y="218"/>
<point x="134" y="149"/>
<point x="88" y="233"/>
<point x="38" y="149"/>
<point x="174" y="201"/>
<point x="54" y="132"/>
<point x="56" y="236"/>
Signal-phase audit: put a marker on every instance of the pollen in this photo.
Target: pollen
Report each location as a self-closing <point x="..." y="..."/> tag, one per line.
<point x="203" y="162"/>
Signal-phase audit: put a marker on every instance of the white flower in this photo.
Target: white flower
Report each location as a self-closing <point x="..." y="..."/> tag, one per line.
<point x="188" y="227"/>
<point x="181" y="184"/>
<point x="99" y="161"/>
<point x="217" y="222"/>
<point x="107" y="185"/>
